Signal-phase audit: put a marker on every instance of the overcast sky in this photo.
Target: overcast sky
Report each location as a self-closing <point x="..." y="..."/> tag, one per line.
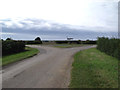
<point x="58" y="16"/>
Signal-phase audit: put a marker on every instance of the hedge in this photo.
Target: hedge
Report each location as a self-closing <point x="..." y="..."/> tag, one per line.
<point x="89" y="42"/>
<point x="76" y="42"/>
<point x="61" y="42"/>
<point x="10" y="46"/>
<point x="33" y="42"/>
<point x="109" y="46"/>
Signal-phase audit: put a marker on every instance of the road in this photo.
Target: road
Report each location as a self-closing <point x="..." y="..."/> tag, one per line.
<point x="48" y="69"/>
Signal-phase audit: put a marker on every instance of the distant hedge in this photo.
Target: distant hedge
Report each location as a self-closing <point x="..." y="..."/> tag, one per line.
<point x="33" y="42"/>
<point x="76" y="42"/>
<point x="61" y="42"/>
<point x="10" y="46"/>
<point x="89" y="42"/>
<point x="109" y="46"/>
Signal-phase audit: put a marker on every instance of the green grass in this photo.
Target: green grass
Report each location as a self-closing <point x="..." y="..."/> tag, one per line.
<point x="33" y="44"/>
<point x="19" y="56"/>
<point x="94" y="69"/>
<point x="67" y="45"/>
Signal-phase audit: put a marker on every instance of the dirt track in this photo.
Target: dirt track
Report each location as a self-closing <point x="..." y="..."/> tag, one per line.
<point x="49" y="69"/>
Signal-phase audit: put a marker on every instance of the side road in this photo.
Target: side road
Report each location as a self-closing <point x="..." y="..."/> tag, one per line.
<point x="49" y="69"/>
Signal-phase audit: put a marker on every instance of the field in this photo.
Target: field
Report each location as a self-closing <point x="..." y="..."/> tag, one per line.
<point x="67" y="45"/>
<point x="19" y="56"/>
<point x="94" y="69"/>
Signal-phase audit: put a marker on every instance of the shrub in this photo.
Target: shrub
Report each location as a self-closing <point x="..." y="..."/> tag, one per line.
<point x="10" y="46"/>
<point x="37" y="39"/>
<point x="33" y="42"/>
<point x="88" y="42"/>
<point x="76" y="42"/>
<point x="109" y="46"/>
<point x="61" y="42"/>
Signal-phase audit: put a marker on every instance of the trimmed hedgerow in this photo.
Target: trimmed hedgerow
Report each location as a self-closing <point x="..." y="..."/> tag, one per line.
<point x="109" y="46"/>
<point x="10" y="46"/>
<point x="89" y="42"/>
<point x="33" y="42"/>
<point x="76" y="42"/>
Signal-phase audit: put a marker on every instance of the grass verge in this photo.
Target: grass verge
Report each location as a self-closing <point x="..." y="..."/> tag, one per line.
<point x="67" y="45"/>
<point x="19" y="56"/>
<point x="94" y="69"/>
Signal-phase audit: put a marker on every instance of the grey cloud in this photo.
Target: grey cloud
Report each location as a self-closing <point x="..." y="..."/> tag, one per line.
<point x="59" y="34"/>
<point x="56" y="31"/>
<point x="49" y="25"/>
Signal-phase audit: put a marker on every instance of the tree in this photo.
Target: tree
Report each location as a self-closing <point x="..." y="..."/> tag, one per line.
<point x="8" y="39"/>
<point x="79" y="42"/>
<point x="37" y="39"/>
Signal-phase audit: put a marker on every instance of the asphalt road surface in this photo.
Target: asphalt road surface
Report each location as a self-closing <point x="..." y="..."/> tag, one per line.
<point x="48" y="69"/>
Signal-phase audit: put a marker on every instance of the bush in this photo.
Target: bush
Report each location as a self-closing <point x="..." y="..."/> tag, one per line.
<point x="76" y="42"/>
<point x="68" y="42"/>
<point x="33" y="42"/>
<point x="37" y="39"/>
<point x="109" y="46"/>
<point x="10" y="46"/>
<point x="61" y="42"/>
<point x="89" y="42"/>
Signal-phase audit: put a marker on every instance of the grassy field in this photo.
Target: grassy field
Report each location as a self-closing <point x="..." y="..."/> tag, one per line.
<point x="94" y="69"/>
<point x="67" y="45"/>
<point x="19" y="56"/>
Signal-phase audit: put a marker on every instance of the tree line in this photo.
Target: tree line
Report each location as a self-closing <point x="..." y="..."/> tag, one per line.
<point x="109" y="46"/>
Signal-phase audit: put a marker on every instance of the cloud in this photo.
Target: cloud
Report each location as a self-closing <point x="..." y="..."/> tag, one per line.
<point x="88" y="13"/>
<point x="54" y="35"/>
<point x="25" y="23"/>
<point x="76" y="18"/>
<point x="3" y="33"/>
<point x="38" y="24"/>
